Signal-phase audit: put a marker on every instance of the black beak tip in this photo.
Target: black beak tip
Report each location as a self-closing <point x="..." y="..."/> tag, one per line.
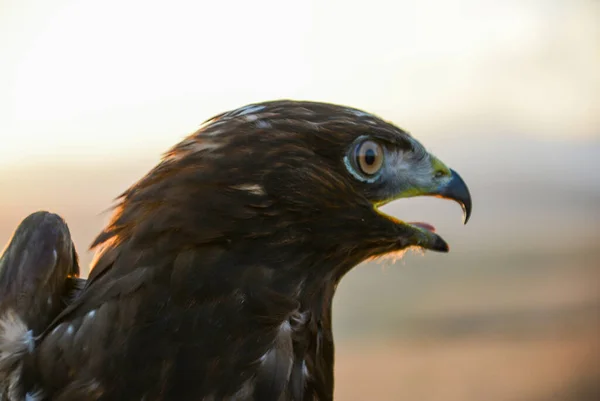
<point x="466" y="212"/>
<point x="459" y="192"/>
<point x="439" y="245"/>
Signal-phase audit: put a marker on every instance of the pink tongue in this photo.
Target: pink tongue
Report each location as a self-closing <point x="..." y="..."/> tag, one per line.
<point x="425" y="226"/>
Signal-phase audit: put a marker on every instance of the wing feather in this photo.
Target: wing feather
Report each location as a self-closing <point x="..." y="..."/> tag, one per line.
<point x="38" y="276"/>
<point x="39" y="270"/>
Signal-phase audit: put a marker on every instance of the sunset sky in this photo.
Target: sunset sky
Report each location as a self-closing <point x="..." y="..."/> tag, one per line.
<point x="92" y="81"/>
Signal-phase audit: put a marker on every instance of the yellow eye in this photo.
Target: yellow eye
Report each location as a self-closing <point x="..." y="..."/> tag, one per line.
<point x="369" y="157"/>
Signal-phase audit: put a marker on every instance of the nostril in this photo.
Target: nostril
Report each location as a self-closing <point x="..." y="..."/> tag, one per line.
<point x="439" y="174"/>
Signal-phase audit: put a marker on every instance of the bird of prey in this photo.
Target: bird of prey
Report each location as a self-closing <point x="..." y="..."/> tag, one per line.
<point x="214" y="278"/>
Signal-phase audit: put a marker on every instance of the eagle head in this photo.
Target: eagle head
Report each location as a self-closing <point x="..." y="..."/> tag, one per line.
<point x="293" y="184"/>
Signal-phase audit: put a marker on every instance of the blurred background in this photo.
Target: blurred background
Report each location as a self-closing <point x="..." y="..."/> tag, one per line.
<point x="506" y="92"/>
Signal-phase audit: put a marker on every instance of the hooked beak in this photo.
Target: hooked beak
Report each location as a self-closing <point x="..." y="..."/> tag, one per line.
<point x="456" y="189"/>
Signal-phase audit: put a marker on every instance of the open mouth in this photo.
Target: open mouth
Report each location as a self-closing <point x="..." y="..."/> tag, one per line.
<point x="417" y="233"/>
<point x="418" y="224"/>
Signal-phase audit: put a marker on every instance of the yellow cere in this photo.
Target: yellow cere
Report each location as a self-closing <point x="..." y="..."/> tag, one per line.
<point x="438" y="165"/>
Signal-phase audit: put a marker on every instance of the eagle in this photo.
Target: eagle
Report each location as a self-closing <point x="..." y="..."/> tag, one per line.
<point x="215" y="276"/>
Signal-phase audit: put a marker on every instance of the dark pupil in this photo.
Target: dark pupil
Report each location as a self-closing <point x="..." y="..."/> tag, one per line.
<point x="370" y="157"/>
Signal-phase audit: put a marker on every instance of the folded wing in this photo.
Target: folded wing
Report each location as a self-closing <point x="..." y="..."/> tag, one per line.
<point x="39" y="275"/>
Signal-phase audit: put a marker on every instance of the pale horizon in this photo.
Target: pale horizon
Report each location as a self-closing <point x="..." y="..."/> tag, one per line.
<point x="96" y="82"/>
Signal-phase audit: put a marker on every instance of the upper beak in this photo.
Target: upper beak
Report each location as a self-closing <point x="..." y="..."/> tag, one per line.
<point x="456" y="190"/>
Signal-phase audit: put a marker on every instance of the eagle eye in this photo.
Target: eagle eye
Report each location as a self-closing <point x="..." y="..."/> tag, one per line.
<point x="369" y="157"/>
<point x="365" y="160"/>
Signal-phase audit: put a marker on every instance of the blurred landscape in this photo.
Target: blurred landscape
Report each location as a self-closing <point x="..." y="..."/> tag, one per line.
<point x="505" y="92"/>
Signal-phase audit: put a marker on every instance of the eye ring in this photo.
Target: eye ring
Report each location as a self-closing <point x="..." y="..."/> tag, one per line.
<point x="368" y="157"/>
